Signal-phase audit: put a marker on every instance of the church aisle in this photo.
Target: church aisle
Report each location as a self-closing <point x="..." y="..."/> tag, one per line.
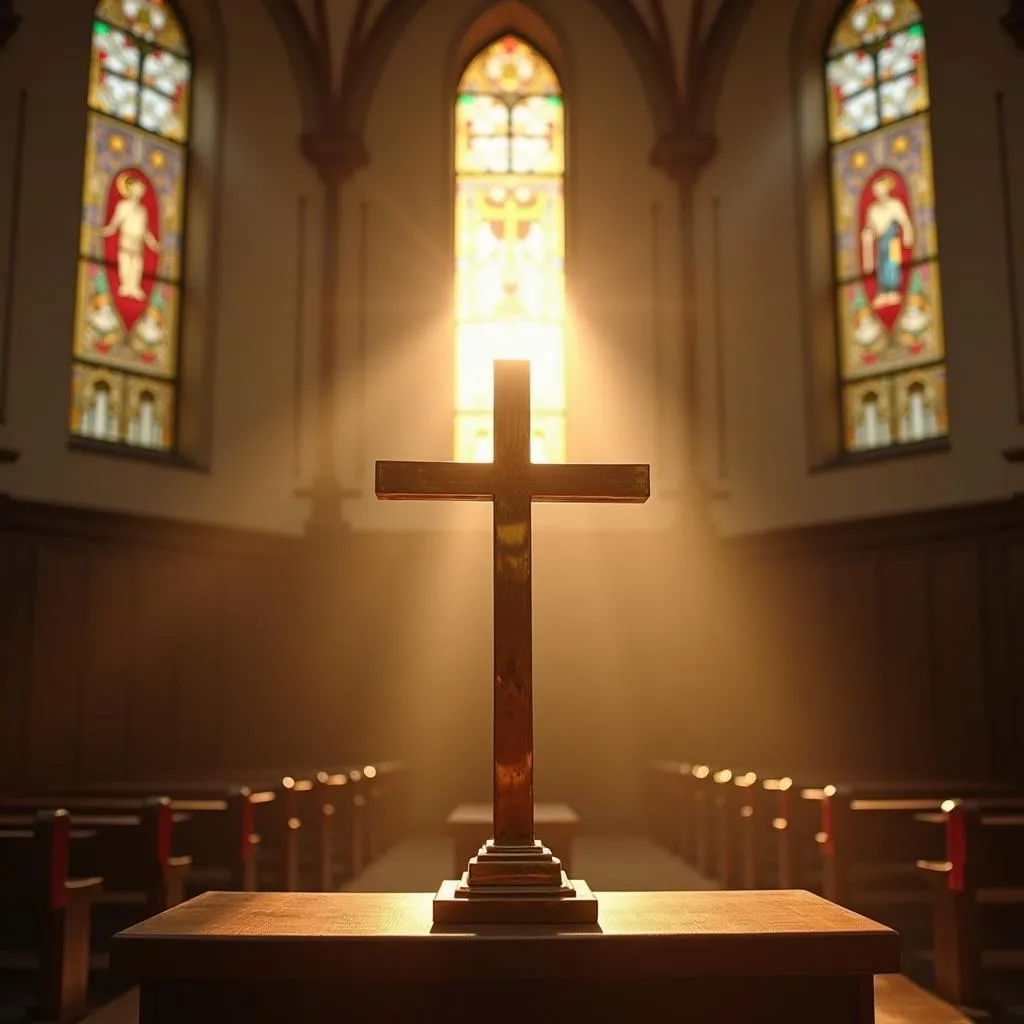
<point x="607" y="863"/>
<point x="123" y="1010"/>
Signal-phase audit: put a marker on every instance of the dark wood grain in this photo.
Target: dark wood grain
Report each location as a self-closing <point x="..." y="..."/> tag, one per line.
<point x="767" y="1000"/>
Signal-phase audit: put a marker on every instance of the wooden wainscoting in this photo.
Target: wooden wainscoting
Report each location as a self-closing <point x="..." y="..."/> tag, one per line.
<point x="133" y="646"/>
<point x="895" y="644"/>
<point x="129" y="646"/>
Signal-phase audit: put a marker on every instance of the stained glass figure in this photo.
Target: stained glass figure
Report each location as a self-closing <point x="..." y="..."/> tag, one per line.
<point x="509" y="243"/>
<point x="885" y="237"/>
<point x="129" y="275"/>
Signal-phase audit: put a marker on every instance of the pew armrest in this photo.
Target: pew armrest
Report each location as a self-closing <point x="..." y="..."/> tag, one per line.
<point x="83" y="887"/>
<point x="175" y="872"/>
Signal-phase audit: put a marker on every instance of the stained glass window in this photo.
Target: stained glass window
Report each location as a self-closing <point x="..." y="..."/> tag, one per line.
<point x="509" y="243"/>
<point x="124" y="382"/>
<point x="891" y="342"/>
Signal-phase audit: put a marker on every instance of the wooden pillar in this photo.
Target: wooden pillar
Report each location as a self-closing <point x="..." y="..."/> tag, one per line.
<point x="9" y="21"/>
<point x="1012" y="22"/>
<point x="682" y="155"/>
<point x="336" y="155"/>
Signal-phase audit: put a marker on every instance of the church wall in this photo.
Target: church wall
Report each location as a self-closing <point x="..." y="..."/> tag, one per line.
<point x="132" y="647"/>
<point x="758" y="286"/>
<point x="379" y="646"/>
<point x="135" y="647"/>
<point x="249" y="474"/>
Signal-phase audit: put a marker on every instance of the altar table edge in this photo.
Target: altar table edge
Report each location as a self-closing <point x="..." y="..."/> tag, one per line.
<point x="359" y="936"/>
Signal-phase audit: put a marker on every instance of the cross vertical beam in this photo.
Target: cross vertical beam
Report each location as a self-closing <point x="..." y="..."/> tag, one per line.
<point x="513" y="865"/>
<point x="513" y="611"/>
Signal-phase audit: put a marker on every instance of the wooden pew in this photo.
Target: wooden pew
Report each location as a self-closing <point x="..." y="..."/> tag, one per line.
<point x="49" y="910"/>
<point x="223" y="831"/>
<point x="764" y="825"/>
<point x="698" y="845"/>
<point x="388" y="803"/>
<point x="687" y="814"/>
<point x="323" y="826"/>
<point x="131" y="847"/>
<point x="731" y="804"/>
<point x="873" y="830"/>
<point x="667" y="803"/>
<point x="977" y="888"/>
<point x="345" y="793"/>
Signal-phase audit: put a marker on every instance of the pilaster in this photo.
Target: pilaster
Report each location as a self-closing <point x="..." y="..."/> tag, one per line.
<point x="336" y="155"/>
<point x="682" y="155"/>
<point x="9" y="21"/>
<point x="1013" y="22"/>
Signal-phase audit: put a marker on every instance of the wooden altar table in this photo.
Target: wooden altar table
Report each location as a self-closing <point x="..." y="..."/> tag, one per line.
<point x="471" y="825"/>
<point x="306" y="958"/>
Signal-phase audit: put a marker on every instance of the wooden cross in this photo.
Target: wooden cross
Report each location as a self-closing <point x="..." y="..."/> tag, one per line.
<point x="512" y="482"/>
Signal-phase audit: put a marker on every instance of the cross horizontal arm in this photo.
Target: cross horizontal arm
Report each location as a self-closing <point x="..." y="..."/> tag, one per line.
<point x="555" y="482"/>
<point x="438" y="481"/>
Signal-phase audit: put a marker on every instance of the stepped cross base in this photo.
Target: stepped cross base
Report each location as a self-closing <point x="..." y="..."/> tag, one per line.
<point x="521" y="884"/>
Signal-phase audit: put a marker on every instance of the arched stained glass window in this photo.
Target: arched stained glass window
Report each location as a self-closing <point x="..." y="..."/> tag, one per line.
<point x="891" y="344"/>
<point x="509" y="243"/>
<point x="129" y="272"/>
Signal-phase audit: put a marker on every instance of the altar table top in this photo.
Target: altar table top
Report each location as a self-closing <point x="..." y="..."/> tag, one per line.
<point x="483" y="814"/>
<point x="366" y="936"/>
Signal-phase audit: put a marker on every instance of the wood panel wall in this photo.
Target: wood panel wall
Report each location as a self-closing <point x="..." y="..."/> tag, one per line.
<point x="890" y="646"/>
<point x="133" y="647"/>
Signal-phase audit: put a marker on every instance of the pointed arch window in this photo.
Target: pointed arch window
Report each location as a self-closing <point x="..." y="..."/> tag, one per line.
<point x="892" y="371"/>
<point x="128" y="308"/>
<point x="509" y="243"/>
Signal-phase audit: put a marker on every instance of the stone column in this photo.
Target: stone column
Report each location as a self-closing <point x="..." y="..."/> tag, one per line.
<point x="682" y="155"/>
<point x="1013" y="22"/>
<point x="336" y="156"/>
<point x="9" y="21"/>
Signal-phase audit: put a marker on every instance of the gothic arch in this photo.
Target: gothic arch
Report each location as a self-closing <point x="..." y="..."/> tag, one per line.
<point x="503" y="17"/>
<point x="309" y="70"/>
<point x="713" y="61"/>
<point x="629" y="26"/>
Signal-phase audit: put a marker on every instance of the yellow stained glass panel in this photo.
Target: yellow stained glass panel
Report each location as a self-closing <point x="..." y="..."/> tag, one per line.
<point x="509" y="243"/>
<point x="921" y="404"/>
<point x="479" y="345"/>
<point x="510" y="67"/>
